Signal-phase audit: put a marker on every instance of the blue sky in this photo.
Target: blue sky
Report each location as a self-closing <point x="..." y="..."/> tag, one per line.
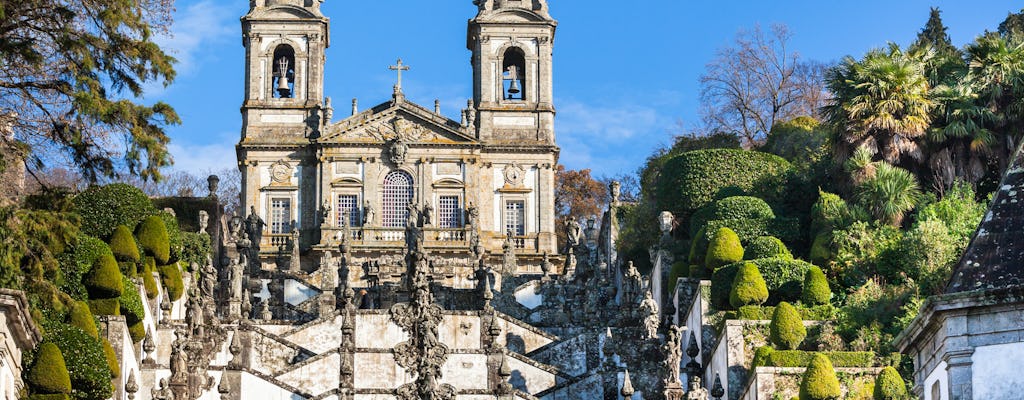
<point x="626" y="72"/>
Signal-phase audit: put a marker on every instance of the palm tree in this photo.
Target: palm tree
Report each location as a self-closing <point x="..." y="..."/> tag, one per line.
<point x="880" y="102"/>
<point x="960" y="137"/>
<point x="996" y="71"/>
<point x="890" y="194"/>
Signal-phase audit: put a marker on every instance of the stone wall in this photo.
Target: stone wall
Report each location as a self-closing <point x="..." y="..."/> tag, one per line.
<point x="774" y="382"/>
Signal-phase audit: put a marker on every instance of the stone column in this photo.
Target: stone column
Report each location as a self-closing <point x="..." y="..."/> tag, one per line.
<point x="546" y="208"/>
<point x="958" y="366"/>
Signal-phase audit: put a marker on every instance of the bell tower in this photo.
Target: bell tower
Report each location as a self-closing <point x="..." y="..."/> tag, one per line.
<point x="284" y="44"/>
<point x="511" y="42"/>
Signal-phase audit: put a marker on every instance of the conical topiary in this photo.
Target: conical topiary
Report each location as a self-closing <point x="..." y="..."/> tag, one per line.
<point x="766" y="247"/>
<point x="111" y="355"/>
<point x="122" y="244"/>
<point x="748" y="288"/>
<point x="104" y="280"/>
<point x="816" y="291"/>
<point x="819" y="381"/>
<point x="170" y="276"/>
<point x="152" y="236"/>
<point x="786" y="330"/>
<point x="49" y="373"/>
<point x="81" y="317"/>
<point x="723" y="249"/>
<point x="889" y="385"/>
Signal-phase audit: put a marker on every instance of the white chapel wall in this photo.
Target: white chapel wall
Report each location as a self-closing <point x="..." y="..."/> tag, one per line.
<point x="995" y="373"/>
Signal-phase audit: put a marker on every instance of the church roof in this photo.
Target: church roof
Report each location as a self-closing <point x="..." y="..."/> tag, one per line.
<point x="995" y="257"/>
<point x="398" y="119"/>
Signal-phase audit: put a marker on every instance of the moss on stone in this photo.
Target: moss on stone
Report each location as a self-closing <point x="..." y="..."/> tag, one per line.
<point x="724" y="249"/>
<point x="152" y="236"/>
<point x="815" y="291"/>
<point x="819" y="380"/>
<point x="49" y="374"/>
<point x="748" y="288"/>
<point x="786" y="330"/>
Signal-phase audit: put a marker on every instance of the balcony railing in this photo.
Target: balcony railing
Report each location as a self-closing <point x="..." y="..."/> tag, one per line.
<point x="389" y="237"/>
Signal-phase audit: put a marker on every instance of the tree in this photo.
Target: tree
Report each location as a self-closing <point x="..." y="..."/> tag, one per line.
<point x="1013" y="24"/>
<point x="757" y="82"/>
<point x="577" y="195"/>
<point x="996" y="72"/>
<point x="881" y="103"/>
<point x="890" y="194"/>
<point x="934" y="34"/>
<point x="71" y="71"/>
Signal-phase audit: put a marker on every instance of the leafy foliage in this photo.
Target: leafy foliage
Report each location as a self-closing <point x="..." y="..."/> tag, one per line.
<point x="49" y="373"/>
<point x="104" y="208"/>
<point x="748" y="288"/>
<point x="104" y="280"/>
<point x="123" y="245"/>
<point x="796" y="358"/>
<point x="735" y="207"/>
<point x="766" y="247"/>
<point x="890" y="194"/>
<point x="786" y="330"/>
<point x="816" y="291"/>
<point x="174" y="237"/>
<point x="131" y="303"/>
<point x="724" y="249"/>
<point x="798" y="139"/>
<point x="77" y="261"/>
<point x="819" y="380"/>
<point x="786" y="229"/>
<point x="692" y="180"/>
<point x="81" y="317"/>
<point x="195" y="248"/>
<point x="111" y="357"/>
<point x="170" y="277"/>
<point x="85" y="360"/>
<point x="152" y="235"/>
<point x="889" y="385"/>
<point x="31" y="242"/>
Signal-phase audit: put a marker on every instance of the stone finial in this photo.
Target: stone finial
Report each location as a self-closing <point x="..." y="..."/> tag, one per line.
<point x="355" y="106"/>
<point x="212" y="182"/>
<point x="131" y="387"/>
<point x="627" y="386"/>
<point x="504" y="374"/>
<point x="148" y="347"/>
<point x="437" y="106"/>
<point x="692" y="351"/>
<point x="717" y="391"/>
<point x="224" y="388"/>
<point x="165" y="309"/>
<point x="235" y="348"/>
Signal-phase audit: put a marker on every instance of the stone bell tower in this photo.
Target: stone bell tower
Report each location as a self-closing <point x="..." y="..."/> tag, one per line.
<point x="284" y="44"/>
<point x="511" y="42"/>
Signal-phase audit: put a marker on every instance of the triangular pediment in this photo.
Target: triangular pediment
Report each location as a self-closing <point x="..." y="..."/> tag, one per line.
<point x="403" y="121"/>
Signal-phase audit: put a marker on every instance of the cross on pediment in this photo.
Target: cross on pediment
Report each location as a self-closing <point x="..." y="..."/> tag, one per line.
<point x="399" y="68"/>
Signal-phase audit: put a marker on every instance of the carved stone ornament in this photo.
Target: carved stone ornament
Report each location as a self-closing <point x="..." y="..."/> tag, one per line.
<point x="514" y="174"/>
<point x="281" y="173"/>
<point x="397" y="152"/>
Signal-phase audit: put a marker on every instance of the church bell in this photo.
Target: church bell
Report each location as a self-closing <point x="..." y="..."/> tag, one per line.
<point x="282" y="77"/>
<point x="513" y="88"/>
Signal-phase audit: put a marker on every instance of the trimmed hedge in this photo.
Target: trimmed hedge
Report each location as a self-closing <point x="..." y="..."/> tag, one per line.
<point x="693" y="179"/>
<point x="58" y="396"/>
<point x="81" y="316"/>
<point x="105" y="306"/>
<point x="766" y="247"/>
<point x="786" y="330"/>
<point x="130" y="303"/>
<point x="123" y="245"/>
<point x="723" y="249"/>
<point x="786" y="229"/>
<point x="748" y="288"/>
<point x="170" y="277"/>
<point x="735" y="207"/>
<point x="153" y="237"/>
<point x="174" y="238"/>
<point x="766" y="356"/>
<point x="889" y="385"/>
<point x="111" y="356"/>
<point x="77" y="261"/>
<point x="762" y="313"/>
<point x="815" y="291"/>
<point x="148" y="281"/>
<point x="819" y="381"/>
<point x="49" y="374"/>
<point x="104" y="208"/>
<point x="137" y="331"/>
<point x="783" y="277"/>
<point x="104" y="281"/>
<point x="85" y="359"/>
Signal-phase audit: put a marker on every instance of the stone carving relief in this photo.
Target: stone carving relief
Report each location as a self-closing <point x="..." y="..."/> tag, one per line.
<point x="514" y="175"/>
<point x="281" y="173"/>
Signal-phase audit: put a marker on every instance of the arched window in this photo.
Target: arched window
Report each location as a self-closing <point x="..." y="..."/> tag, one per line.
<point x="284" y="72"/>
<point x="398" y="191"/>
<point x="513" y="67"/>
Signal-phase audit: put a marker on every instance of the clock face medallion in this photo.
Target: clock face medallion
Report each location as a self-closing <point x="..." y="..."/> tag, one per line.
<point x="514" y="174"/>
<point x="280" y="173"/>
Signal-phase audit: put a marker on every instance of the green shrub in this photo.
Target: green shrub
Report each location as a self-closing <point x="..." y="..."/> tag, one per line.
<point x="152" y="236"/>
<point x="723" y="249"/>
<point x="104" y="208"/>
<point x="799" y="139"/>
<point x="679" y="270"/>
<point x="783" y="277"/>
<point x="721" y="286"/>
<point x="786" y="330"/>
<point x="958" y="210"/>
<point x="149" y="282"/>
<point x="58" y="396"/>
<point x="831" y="213"/>
<point x="77" y="261"/>
<point x="123" y="245"/>
<point x="111" y="356"/>
<point x="174" y="237"/>
<point x="49" y="374"/>
<point x="816" y="291"/>
<point x="817" y="313"/>
<point x="170" y="277"/>
<point x="926" y="254"/>
<point x="195" y="248"/>
<point x="693" y="179"/>
<point x="821" y="248"/>
<point x="131" y="303"/>
<point x="81" y="316"/>
<point x="735" y="207"/>
<point x="800" y="358"/>
<point x="889" y="385"/>
<point x="137" y="331"/>
<point x="699" y="272"/>
<point x="819" y="381"/>
<point x="748" y="288"/>
<point x="85" y="360"/>
<point x="786" y="229"/>
<point x="766" y="247"/>
<point x="105" y="306"/>
<point x="104" y="281"/>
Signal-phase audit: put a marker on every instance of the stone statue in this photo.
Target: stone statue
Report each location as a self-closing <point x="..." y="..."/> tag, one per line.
<point x="591" y="232"/>
<point x="254" y="226"/>
<point x="163" y="392"/>
<point x="672" y="350"/>
<point x="631" y="284"/>
<point x="293" y="243"/>
<point x="235" y="279"/>
<point x="413" y="233"/>
<point x="573" y="230"/>
<point x="209" y="275"/>
<point x="696" y="390"/>
<point x="545" y="265"/>
<point x="616" y="191"/>
<point x="204" y="221"/>
<point x="428" y="214"/>
<point x="179" y="358"/>
<point x="649" y="313"/>
<point x="235" y="228"/>
<point x="325" y="213"/>
<point x="328" y="111"/>
<point x="472" y="215"/>
<point x="329" y="270"/>
<point x="368" y="213"/>
<point x="665" y="222"/>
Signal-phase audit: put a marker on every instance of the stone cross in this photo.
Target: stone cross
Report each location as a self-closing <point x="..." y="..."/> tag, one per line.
<point x="399" y="68"/>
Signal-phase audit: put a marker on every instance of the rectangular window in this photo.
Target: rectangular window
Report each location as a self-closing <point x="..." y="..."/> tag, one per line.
<point x="348" y="210"/>
<point x="515" y="217"/>
<point x="449" y="213"/>
<point x="280" y="215"/>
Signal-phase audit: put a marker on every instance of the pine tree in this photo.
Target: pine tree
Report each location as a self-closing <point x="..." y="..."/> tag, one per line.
<point x="1013" y="24"/>
<point x="934" y="34"/>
